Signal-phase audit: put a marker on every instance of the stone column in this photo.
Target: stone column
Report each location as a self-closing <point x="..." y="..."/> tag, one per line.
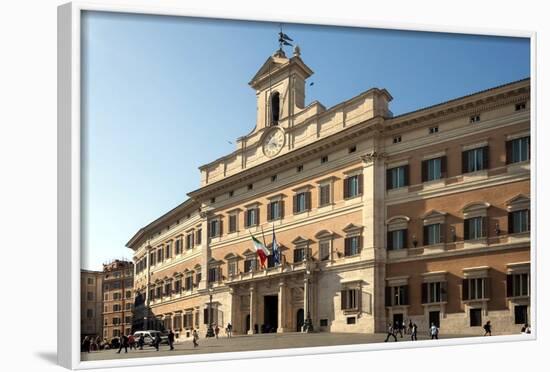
<point x="282" y="307"/>
<point x="252" y="309"/>
<point x="205" y="250"/>
<point x="306" y="298"/>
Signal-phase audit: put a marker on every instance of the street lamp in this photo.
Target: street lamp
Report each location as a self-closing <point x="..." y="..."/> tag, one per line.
<point x="210" y="331"/>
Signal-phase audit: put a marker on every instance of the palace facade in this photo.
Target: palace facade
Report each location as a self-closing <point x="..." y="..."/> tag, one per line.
<point x="422" y="216"/>
<point x="91" y="303"/>
<point x="118" y="298"/>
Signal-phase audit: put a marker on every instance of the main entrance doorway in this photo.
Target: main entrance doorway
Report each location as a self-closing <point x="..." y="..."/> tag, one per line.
<point x="434" y="318"/>
<point x="271" y="314"/>
<point x="299" y="320"/>
<point x="247" y="324"/>
<point x="397" y="319"/>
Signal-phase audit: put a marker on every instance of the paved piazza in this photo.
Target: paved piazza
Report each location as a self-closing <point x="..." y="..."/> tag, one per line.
<point x="257" y="342"/>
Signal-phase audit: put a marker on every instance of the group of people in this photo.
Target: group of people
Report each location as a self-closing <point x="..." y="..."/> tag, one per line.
<point x="411" y="329"/>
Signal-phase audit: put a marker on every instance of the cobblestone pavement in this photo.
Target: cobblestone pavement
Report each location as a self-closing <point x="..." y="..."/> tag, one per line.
<point x="256" y="342"/>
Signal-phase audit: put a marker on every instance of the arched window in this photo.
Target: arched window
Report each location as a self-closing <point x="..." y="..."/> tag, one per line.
<point x="275" y="107"/>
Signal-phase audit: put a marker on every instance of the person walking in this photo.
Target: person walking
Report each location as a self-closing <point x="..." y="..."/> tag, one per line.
<point x="410" y="326"/>
<point x="413" y="331"/>
<point x="141" y="341"/>
<point x="123" y="344"/>
<point x="487" y="328"/>
<point x="171" y="339"/>
<point x="195" y="338"/>
<point x="217" y="331"/>
<point x="86" y="344"/>
<point x="434" y="332"/>
<point x="397" y="328"/>
<point x="229" y="330"/>
<point x="391" y="333"/>
<point x="132" y="342"/>
<point x="157" y="340"/>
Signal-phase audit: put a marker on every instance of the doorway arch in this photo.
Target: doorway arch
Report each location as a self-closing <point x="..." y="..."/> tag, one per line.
<point x="299" y="320"/>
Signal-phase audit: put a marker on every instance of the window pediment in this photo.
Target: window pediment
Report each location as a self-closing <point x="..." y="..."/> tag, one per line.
<point x="518" y="202"/>
<point x="475" y="209"/>
<point x="300" y="240"/>
<point x="324" y="234"/>
<point x="434" y="217"/>
<point x="352" y="229"/>
<point x="231" y="256"/>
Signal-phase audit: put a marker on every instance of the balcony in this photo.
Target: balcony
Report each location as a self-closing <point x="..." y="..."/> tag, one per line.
<point x="285" y="268"/>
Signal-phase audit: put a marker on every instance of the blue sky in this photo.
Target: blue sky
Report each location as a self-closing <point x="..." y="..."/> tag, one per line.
<point x="164" y="95"/>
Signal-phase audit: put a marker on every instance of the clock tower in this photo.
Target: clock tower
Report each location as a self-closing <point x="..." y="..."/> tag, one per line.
<point x="280" y="91"/>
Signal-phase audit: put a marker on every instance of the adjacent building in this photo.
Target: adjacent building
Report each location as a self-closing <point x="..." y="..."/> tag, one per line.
<point x="91" y="303"/>
<point x="423" y="216"/>
<point x="118" y="298"/>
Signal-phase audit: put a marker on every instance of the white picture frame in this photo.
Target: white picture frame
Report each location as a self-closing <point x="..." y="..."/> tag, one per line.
<point x="69" y="181"/>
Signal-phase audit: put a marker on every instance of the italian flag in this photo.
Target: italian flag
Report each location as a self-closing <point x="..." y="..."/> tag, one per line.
<point x="261" y="250"/>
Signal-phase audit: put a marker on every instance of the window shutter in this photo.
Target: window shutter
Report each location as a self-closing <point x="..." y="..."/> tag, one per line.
<point x="388" y="296"/>
<point x="464" y="289"/>
<point x="405" y="238"/>
<point x="484" y="223"/>
<point x="308" y="200"/>
<point x="220" y="230"/>
<point x="508" y="152"/>
<point x="346" y="246"/>
<point x="425" y="235"/>
<point x="529" y="148"/>
<point x="269" y="206"/>
<point x="390" y="241"/>
<point x="405" y="295"/>
<point x="257" y="216"/>
<point x="346" y="188"/>
<point x="509" y="285"/>
<point x="487" y="287"/>
<point x="443" y="233"/>
<point x="465" y="162"/>
<point x="295" y="204"/>
<point x="407" y="174"/>
<point x="360" y="184"/>
<point x="282" y="208"/>
<point x="343" y="297"/>
<point x="443" y="167"/>
<point x="424" y="171"/>
<point x="246" y="218"/>
<point x="486" y="157"/>
<point x="467" y="229"/>
<point x="359" y="298"/>
<point x="424" y="293"/>
<point x="360" y="243"/>
<point x="444" y="291"/>
<point x="388" y="180"/>
<point x="510" y="223"/>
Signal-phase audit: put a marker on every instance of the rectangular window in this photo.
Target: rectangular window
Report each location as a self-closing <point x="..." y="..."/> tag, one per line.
<point x="167" y="289"/>
<point x="159" y="292"/>
<point x="90" y="313"/>
<point x="188" y="320"/>
<point x="189" y="282"/>
<point x="251" y="217"/>
<point x="324" y="250"/>
<point x="517" y="285"/>
<point x="213" y="274"/>
<point x="232" y="223"/>
<point x="353" y="186"/>
<point x="177" y="322"/>
<point x="324" y="159"/>
<point x="128" y="306"/>
<point x="475" y="317"/>
<point x="178" y="246"/>
<point x="475" y="228"/>
<point x="299" y="168"/>
<point x="275" y="210"/>
<point x="352" y="246"/>
<point x="432" y="234"/>
<point x="302" y="202"/>
<point x="397" y="239"/>
<point x="475" y="160"/>
<point x="396" y="139"/>
<point x="300" y="254"/>
<point x="189" y="241"/>
<point x="177" y="286"/>
<point x="475" y="118"/>
<point x="397" y="295"/>
<point x="434" y="292"/>
<point x="168" y="251"/>
<point x="90" y="281"/>
<point x="520" y="314"/>
<point x="116" y="321"/>
<point x="152" y="257"/>
<point x="116" y="332"/>
<point x="517" y="150"/>
<point x="397" y="177"/>
<point x="433" y="130"/>
<point x="520" y="106"/>
<point x="90" y="296"/>
<point x="214" y="228"/>
<point x="518" y="221"/>
<point x="324" y="195"/>
<point x="160" y="255"/>
<point x="323" y="322"/>
<point x="475" y="289"/>
<point x="232" y="267"/>
<point x="350" y="299"/>
<point x="434" y="169"/>
<point x="249" y="265"/>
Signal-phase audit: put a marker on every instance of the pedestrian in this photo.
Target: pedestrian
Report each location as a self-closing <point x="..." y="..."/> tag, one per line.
<point x="98" y="343"/>
<point x="434" y="332"/>
<point x="413" y="331"/>
<point x="526" y="329"/>
<point x="397" y="328"/>
<point x="403" y="328"/>
<point x="171" y="339"/>
<point x="157" y="340"/>
<point x="123" y="344"/>
<point x="410" y="326"/>
<point x="391" y="333"/>
<point x="487" y="328"/>
<point x="141" y="341"/>
<point x="86" y="344"/>
<point x="132" y="342"/>
<point x="217" y="331"/>
<point x="229" y="330"/>
<point x="195" y="338"/>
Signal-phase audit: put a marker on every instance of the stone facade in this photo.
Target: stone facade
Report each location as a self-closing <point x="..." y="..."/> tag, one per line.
<point x="118" y="298"/>
<point x="91" y="303"/>
<point x="351" y="226"/>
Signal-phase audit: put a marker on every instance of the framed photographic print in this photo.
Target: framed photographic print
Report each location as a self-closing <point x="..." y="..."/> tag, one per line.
<point x="252" y="187"/>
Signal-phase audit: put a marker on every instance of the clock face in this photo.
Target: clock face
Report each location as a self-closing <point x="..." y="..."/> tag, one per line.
<point x="274" y="142"/>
